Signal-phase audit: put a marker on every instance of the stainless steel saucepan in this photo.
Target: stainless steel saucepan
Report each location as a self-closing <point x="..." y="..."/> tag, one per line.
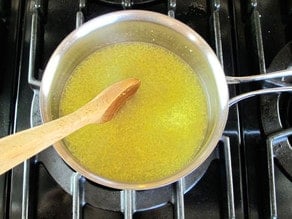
<point x="155" y="28"/>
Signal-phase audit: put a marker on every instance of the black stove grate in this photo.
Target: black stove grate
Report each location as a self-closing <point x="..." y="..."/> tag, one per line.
<point x="241" y="179"/>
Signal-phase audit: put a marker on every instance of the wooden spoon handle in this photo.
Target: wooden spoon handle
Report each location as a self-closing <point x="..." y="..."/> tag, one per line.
<point x="19" y="147"/>
<point x="16" y="148"/>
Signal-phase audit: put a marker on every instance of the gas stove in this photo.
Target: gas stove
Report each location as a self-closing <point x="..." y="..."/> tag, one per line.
<point x="247" y="176"/>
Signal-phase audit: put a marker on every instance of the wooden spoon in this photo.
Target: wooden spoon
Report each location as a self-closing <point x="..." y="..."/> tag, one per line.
<point x="16" y="148"/>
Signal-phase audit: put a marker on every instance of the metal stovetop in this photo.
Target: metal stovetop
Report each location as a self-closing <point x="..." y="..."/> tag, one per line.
<point x="240" y="179"/>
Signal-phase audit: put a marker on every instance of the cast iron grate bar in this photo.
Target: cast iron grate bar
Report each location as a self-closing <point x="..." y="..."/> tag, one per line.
<point x="128" y="203"/>
<point x="179" y="199"/>
<point x="25" y="190"/>
<point x="273" y="140"/>
<point x="229" y="178"/>
<point x="36" y="7"/>
<point x="257" y="36"/>
<point x="260" y="58"/>
<point x="79" y="13"/>
<point x="215" y="19"/>
<point x="33" y="44"/>
<point x="77" y="195"/>
<point x="171" y="5"/>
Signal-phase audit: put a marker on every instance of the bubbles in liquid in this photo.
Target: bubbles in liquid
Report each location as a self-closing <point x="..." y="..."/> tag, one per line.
<point x="157" y="132"/>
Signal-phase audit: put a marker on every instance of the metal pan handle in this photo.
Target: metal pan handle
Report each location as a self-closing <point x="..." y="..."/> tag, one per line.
<point x="254" y="78"/>
<point x="261" y="77"/>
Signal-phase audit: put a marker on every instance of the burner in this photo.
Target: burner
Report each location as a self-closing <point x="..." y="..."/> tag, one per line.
<point x="276" y="110"/>
<point x="103" y="197"/>
<point x="285" y="105"/>
<point x="285" y="108"/>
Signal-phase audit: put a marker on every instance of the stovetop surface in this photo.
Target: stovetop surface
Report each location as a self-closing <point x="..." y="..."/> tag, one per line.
<point x="252" y="34"/>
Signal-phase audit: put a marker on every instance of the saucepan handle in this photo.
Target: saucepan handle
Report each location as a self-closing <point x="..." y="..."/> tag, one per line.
<point x="261" y="77"/>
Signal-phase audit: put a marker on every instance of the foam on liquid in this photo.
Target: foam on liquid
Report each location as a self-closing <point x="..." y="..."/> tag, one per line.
<point x="157" y="132"/>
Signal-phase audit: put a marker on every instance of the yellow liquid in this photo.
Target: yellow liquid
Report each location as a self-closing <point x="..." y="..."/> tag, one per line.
<point x="157" y="132"/>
